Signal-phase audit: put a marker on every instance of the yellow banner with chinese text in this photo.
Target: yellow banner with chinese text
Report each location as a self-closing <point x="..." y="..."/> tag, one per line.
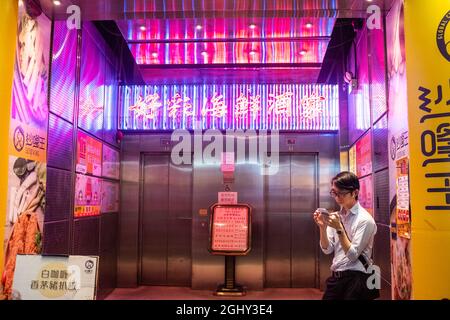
<point x="27" y="142"/>
<point x="427" y="37"/>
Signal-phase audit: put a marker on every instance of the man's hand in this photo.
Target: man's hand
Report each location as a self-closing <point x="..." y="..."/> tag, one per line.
<point x="318" y="219"/>
<point x="334" y="221"/>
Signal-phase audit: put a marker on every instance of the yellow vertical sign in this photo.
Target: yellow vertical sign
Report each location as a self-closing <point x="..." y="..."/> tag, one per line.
<point x="427" y="37"/>
<point x="8" y="27"/>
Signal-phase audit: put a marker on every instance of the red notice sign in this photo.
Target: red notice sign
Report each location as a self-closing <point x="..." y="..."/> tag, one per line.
<point x="230" y="229"/>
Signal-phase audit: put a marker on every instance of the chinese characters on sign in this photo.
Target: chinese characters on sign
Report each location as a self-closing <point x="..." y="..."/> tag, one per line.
<point x="435" y="145"/>
<point x="147" y="108"/>
<point x="230" y="106"/>
<point x="89" y="155"/>
<point x="403" y="219"/>
<point x="55" y="277"/>
<point x="230" y="229"/>
<point x="227" y="198"/>
<point x="27" y="142"/>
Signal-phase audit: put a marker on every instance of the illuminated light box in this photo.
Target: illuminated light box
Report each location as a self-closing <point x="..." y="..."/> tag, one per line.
<point x="296" y="107"/>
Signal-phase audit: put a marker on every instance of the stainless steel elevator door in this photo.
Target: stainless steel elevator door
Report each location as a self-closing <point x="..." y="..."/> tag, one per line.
<point x="166" y="222"/>
<point x="291" y="240"/>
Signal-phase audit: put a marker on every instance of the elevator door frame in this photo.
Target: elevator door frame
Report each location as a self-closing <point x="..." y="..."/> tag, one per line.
<point x="315" y="232"/>
<point x="142" y="157"/>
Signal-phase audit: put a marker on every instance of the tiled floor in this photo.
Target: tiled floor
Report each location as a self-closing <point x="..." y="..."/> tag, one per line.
<point x="179" y="293"/>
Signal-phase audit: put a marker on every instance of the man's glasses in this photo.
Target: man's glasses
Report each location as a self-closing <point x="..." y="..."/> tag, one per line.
<point x="339" y="193"/>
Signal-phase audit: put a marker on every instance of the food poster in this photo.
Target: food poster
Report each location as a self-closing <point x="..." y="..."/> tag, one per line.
<point x="398" y="137"/>
<point x="366" y="193"/>
<point x="352" y="159"/>
<point x="89" y="155"/>
<point x="364" y="156"/>
<point x="403" y="219"/>
<point x="111" y="163"/>
<point x="110" y="196"/>
<point x="27" y="142"/>
<point x="87" y="196"/>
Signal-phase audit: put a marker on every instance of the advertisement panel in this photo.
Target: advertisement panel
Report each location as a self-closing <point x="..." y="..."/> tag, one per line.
<point x="55" y="278"/>
<point x="27" y="142"/>
<point x="87" y="196"/>
<point x="427" y="70"/>
<point x="110" y="196"/>
<point x="111" y="163"/>
<point x="89" y="155"/>
<point x="401" y="274"/>
<point x="364" y="155"/>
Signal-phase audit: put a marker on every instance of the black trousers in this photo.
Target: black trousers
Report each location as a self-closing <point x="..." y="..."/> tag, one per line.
<point x="350" y="286"/>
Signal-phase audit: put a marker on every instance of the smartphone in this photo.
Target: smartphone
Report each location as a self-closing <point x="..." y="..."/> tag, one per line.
<point x="323" y="211"/>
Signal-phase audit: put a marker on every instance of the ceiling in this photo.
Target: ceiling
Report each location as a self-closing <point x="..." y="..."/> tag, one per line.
<point x="224" y="40"/>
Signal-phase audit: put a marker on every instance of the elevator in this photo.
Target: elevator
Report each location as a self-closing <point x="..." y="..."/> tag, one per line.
<point x="166" y="220"/>
<point x="291" y="242"/>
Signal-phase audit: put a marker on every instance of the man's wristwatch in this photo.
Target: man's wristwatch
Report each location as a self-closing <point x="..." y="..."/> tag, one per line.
<point x="339" y="232"/>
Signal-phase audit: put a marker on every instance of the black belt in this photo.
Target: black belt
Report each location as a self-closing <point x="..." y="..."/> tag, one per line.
<point x="345" y="274"/>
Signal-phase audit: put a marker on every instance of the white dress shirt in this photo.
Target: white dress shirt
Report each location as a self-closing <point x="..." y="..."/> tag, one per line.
<point x="361" y="229"/>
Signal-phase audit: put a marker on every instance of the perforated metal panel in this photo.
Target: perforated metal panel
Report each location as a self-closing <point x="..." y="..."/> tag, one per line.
<point x="108" y="232"/>
<point x="382" y="197"/>
<point x="92" y="81"/>
<point x="359" y="99"/>
<point x="108" y="254"/>
<point x="86" y="236"/>
<point x="56" y="238"/>
<point x="60" y="143"/>
<point x="62" y="97"/>
<point x="110" y="122"/>
<point x="377" y="73"/>
<point x="380" y="145"/>
<point x="58" y="195"/>
<point x="382" y="258"/>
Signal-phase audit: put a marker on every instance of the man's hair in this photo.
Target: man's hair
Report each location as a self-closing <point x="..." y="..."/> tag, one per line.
<point x="346" y="181"/>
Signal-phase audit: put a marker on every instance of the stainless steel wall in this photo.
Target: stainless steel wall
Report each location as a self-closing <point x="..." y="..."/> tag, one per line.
<point x="208" y="270"/>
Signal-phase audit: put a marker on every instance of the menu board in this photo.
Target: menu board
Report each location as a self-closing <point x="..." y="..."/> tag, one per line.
<point x="89" y="155"/>
<point x="364" y="156"/>
<point x="111" y="163"/>
<point x="110" y="196"/>
<point x="87" y="196"/>
<point x="230" y="229"/>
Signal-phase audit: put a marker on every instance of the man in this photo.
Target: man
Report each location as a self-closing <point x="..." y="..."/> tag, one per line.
<point x="349" y="234"/>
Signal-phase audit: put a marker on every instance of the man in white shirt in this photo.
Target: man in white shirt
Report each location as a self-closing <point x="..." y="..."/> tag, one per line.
<point x="349" y="234"/>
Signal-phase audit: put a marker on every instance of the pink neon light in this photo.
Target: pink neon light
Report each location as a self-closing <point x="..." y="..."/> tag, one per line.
<point x="312" y="106"/>
<point x="283" y="107"/>
<point x="281" y="104"/>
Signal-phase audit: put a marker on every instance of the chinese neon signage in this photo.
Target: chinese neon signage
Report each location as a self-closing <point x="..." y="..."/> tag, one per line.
<point x="237" y="106"/>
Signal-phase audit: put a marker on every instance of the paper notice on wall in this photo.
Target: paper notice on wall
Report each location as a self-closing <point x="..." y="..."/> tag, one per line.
<point x="403" y="219"/>
<point x="227" y="162"/>
<point x="228" y="198"/>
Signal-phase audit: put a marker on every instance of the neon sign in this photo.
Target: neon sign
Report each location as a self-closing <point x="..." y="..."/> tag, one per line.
<point x="312" y="106"/>
<point x="177" y="103"/>
<point x="148" y="107"/>
<point x="237" y="106"/>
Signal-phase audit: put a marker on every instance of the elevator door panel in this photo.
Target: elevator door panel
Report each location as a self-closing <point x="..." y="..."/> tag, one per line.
<point x="166" y="222"/>
<point x="303" y="231"/>
<point x="278" y="241"/>
<point x="154" y="220"/>
<point x="290" y="196"/>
